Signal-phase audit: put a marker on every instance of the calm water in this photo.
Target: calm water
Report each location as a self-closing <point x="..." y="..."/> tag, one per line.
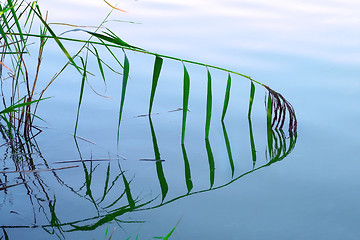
<point x="306" y="50"/>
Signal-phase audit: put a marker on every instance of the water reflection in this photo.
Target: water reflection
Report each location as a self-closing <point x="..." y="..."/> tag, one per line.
<point x="107" y="190"/>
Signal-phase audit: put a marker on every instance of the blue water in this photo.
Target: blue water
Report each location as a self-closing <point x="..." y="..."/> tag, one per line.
<point x="306" y="50"/>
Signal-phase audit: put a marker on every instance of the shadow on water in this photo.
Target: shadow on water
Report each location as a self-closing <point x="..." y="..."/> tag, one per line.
<point x="116" y="197"/>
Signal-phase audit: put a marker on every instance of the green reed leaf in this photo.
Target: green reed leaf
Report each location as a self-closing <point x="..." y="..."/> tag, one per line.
<point x="11" y="6"/>
<point x="3" y="35"/>
<point x="159" y="169"/>
<point x="228" y="149"/>
<point x="106" y="183"/>
<point x="268" y="122"/>
<point x="154" y="140"/>
<point x="84" y="63"/>
<point x="252" y="143"/>
<point x="57" y="40"/>
<point x="227" y="97"/>
<point x="88" y="179"/>
<point x="99" y="64"/>
<point x="269" y="111"/>
<point x="169" y="234"/>
<point x="208" y="105"/>
<point x="128" y="192"/>
<point x="111" y="38"/>
<point x="10" y="127"/>
<point x="15" y="107"/>
<point x="211" y="162"/>
<point x="162" y="180"/>
<point x="116" y="200"/>
<point x="186" y="91"/>
<point x="156" y="74"/>
<point x="252" y="94"/>
<point x="189" y="183"/>
<point x="2" y="11"/>
<point x="30" y="12"/>
<point x="123" y="91"/>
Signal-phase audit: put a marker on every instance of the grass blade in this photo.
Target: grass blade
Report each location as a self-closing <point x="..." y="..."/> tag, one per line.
<point x="106" y="183"/>
<point x="99" y="64"/>
<point x="208" y="106"/>
<point x="268" y="122"/>
<point x="14" y="107"/>
<point x="2" y="11"/>
<point x="88" y="180"/>
<point x="159" y="169"/>
<point x="10" y="4"/>
<point x="3" y="35"/>
<point x="111" y="38"/>
<point x="227" y="97"/>
<point x="154" y="140"/>
<point x="123" y="91"/>
<point x="269" y="112"/>
<point x="162" y="180"/>
<point x="228" y="149"/>
<point x="252" y="94"/>
<point x="186" y="91"/>
<point x="252" y="143"/>
<point x="156" y="74"/>
<point x="81" y="93"/>
<point x="128" y="192"/>
<point x="211" y="162"/>
<point x="63" y="49"/>
<point x="169" y="234"/>
<point x="189" y="183"/>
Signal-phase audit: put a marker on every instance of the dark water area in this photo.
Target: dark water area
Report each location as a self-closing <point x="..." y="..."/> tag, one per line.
<point x="235" y="185"/>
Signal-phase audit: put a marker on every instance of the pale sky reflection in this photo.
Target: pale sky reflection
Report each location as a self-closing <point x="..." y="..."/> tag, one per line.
<point x="315" y="28"/>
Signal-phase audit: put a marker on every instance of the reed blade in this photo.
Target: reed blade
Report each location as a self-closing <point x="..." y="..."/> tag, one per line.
<point x="208" y="105"/>
<point x="16" y="106"/>
<point x="3" y="35"/>
<point x="84" y="63"/>
<point x="269" y="124"/>
<point x="227" y="97"/>
<point x="156" y="74"/>
<point x="162" y="180"/>
<point x="159" y="169"/>
<point x="211" y="162"/>
<point x="57" y="40"/>
<point x="30" y="13"/>
<point x="128" y="193"/>
<point x="88" y="180"/>
<point x="186" y="91"/>
<point x="189" y="183"/>
<point x="100" y="64"/>
<point x="111" y="38"/>
<point x="228" y="149"/>
<point x="252" y="143"/>
<point x="252" y="94"/>
<point x="106" y="183"/>
<point x="2" y="11"/>
<point x="11" y="6"/>
<point x="123" y="91"/>
<point x="154" y="140"/>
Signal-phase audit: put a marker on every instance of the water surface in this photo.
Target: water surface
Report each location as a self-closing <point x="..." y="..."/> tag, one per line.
<point x="306" y="50"/>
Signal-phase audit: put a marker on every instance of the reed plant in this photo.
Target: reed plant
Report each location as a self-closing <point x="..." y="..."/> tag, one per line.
<point x="21" y="93"/>
<point x="23" y="27"/>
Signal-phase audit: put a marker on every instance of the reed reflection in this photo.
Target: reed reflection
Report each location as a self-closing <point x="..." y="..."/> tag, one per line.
<point x="118" y="197"/>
